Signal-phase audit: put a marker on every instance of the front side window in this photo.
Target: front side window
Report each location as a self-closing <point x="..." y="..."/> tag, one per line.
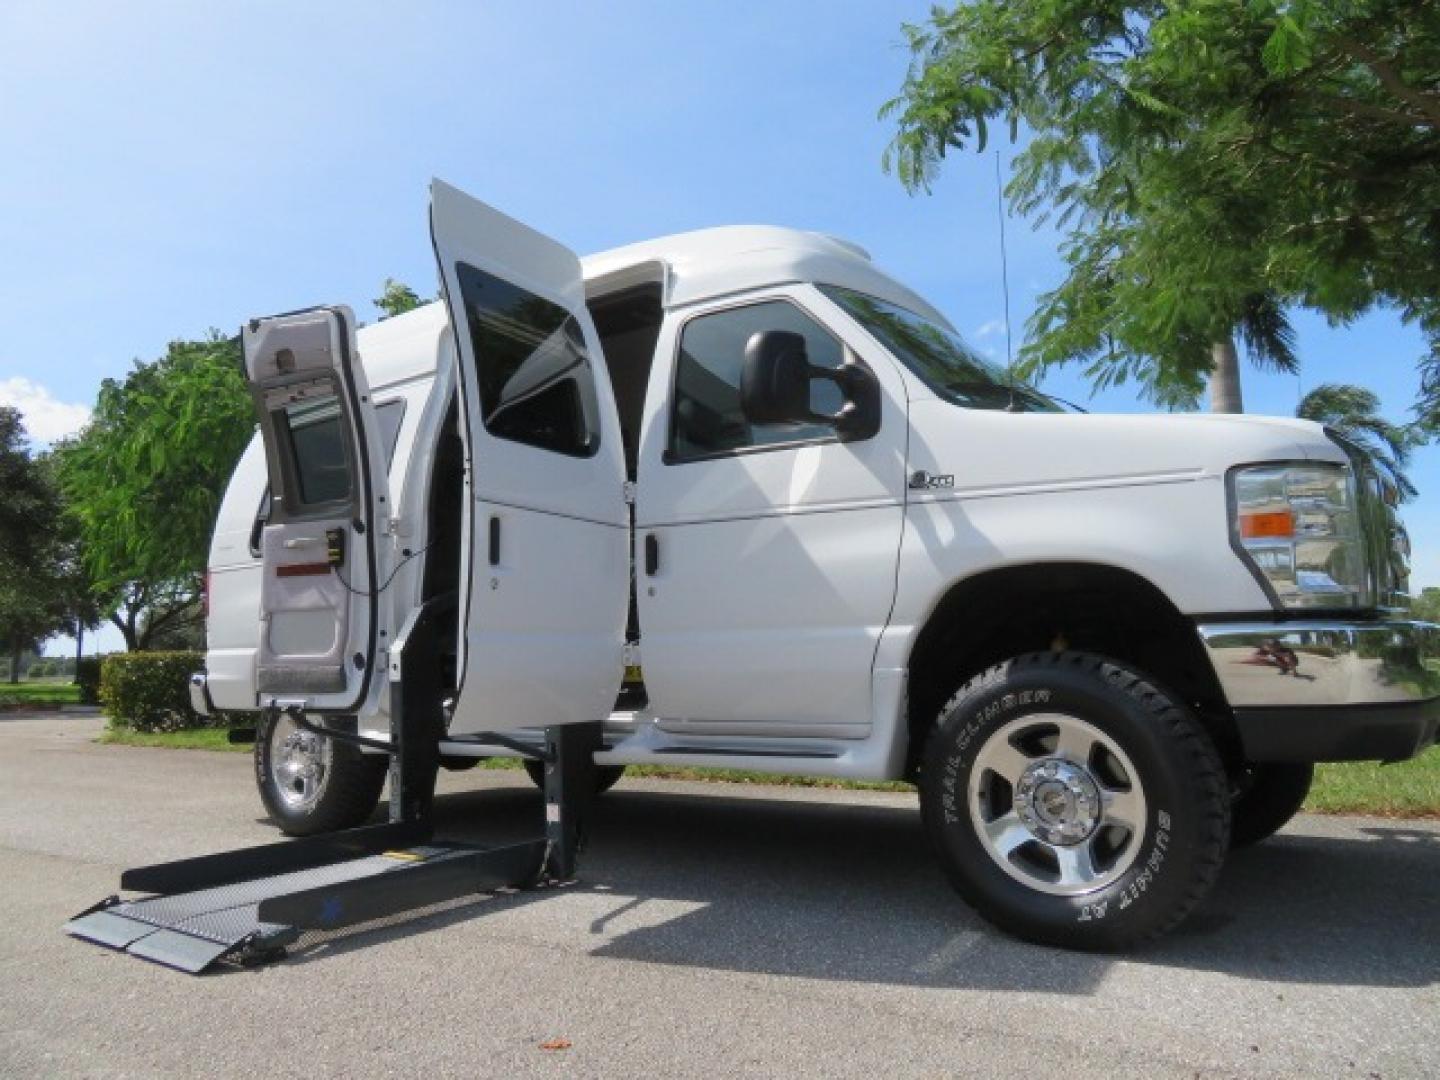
<point x="939" y="357"/>
<point x="536" y="383"/>
<point x="706" y="418"/>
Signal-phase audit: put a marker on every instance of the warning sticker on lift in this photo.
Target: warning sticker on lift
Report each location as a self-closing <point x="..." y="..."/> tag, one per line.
<point x="632" y="674"/>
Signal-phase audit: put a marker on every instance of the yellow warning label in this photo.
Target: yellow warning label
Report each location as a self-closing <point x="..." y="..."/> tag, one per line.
<point x="632" y="673"/>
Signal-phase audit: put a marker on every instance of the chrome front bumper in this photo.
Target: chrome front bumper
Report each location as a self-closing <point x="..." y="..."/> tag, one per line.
<point x="1321" y="690"/>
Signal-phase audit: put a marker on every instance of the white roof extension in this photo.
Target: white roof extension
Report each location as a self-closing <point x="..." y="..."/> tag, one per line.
<point x="715" y="262"/>
<point x="692" y="267"/>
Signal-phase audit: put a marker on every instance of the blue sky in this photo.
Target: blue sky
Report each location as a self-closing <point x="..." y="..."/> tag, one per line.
<point x="166" y="168"/>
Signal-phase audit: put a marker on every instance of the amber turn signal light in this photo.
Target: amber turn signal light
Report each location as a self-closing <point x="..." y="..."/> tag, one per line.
<point x="1278" y="523"/>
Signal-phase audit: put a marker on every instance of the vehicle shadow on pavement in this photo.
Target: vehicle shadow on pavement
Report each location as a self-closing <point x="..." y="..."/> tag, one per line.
<point x="1311" y="909"/>
<point x="817" y="889"/>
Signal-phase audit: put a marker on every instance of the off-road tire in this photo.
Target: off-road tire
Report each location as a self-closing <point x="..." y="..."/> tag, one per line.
<point x="1186" y="819"/>
<point x="1268" y="796"/>
<point x="606" y="776"/>
<point x="347" y="792"/>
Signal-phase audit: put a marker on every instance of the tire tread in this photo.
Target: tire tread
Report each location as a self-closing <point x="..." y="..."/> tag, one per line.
<point x="352" y="789"/>
<point x="1203" y="761"/>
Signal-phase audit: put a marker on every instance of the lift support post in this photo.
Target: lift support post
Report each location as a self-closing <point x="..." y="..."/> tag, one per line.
<point x="248" y="906"/>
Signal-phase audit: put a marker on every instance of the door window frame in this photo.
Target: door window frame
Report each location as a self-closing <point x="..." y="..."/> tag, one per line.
<point x="464" y="271"/>
<point x="668" y="456"/>
<point x="291" y="505"/>
<point x="390" y="440"/>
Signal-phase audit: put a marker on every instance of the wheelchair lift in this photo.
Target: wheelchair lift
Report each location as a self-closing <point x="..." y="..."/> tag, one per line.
<point x="249" y="906"/>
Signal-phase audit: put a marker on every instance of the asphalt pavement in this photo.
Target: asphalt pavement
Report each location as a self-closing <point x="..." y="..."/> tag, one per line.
<point x="718" y="930"/>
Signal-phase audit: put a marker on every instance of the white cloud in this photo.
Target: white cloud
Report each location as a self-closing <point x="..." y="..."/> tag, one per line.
<point x="46" y="419"/>
<point x="990" y="329"/>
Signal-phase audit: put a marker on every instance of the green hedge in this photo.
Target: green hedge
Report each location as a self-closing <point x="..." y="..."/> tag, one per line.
<point x="87" y="677"/>
<point x="150" y="691"/>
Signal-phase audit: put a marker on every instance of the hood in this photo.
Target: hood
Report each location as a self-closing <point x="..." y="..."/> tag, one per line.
<point x="985" y="450"/>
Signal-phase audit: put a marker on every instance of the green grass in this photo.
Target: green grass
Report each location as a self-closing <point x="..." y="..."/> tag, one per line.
<point x="1410" y="789"/>
<point x="194" y="739"/>
<point x="39" y="693"/>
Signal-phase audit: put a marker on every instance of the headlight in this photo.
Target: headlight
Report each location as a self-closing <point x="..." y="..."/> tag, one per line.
<point x="1298" y="526"/>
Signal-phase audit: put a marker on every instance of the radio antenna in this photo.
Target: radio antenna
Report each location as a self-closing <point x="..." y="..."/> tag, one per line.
<point x="1004" y="261"/>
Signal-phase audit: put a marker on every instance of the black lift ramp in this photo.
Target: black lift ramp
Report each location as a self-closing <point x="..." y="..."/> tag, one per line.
<point x="249" y="906"/>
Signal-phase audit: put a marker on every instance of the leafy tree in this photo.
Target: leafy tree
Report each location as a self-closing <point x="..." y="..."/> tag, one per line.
<point x="1355" y="412"/>
<point x="1426" y="606"/>
<point x="143" y="481"/>
<point x="186" y="633"/>
<point x="28" y="507"/>
<point x="75" y="596"/>
<point x="25" y="622"/>
<point x="32" y="597"/>
<point x="29" y="613"/>
<point x="1212" y="163"/>
<point x="397" y="298"/>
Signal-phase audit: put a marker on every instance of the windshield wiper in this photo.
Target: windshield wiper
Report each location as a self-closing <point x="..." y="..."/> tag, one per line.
<point x="980" y="393"/>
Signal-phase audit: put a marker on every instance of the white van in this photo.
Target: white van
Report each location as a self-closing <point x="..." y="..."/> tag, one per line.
<point x="757" y="503"/>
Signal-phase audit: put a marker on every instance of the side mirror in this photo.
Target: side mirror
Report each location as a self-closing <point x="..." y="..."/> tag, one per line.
<point x="775" y="387"/>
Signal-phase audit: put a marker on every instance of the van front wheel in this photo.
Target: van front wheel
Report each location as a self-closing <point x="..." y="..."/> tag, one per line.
<point x="1074" y="803"/>
<point x="310" y="784"/>
<point x="1268" y="796"/>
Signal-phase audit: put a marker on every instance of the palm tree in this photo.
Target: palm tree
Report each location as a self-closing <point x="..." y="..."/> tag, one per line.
<point x="1269" y="342"/>
<point x="1355" y="412"/>
<point x="1261" y="326"/>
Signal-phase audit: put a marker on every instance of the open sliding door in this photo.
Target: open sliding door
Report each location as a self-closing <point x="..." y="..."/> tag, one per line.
<point x="546" y="590"/>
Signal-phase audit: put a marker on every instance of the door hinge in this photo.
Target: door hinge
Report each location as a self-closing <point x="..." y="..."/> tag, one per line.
<point x="627" y="492"/>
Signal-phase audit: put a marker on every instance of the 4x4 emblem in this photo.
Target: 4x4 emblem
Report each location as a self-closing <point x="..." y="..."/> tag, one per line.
<point x="921" y="479"/>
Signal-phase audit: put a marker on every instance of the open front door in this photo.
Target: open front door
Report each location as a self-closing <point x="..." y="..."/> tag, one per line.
<point x="546" y="589"/>
<point x="320" y="549"/>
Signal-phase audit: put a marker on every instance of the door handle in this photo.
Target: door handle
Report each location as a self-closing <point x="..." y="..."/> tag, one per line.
<point x="652" y="554"/>
<point x="494" y="541"/>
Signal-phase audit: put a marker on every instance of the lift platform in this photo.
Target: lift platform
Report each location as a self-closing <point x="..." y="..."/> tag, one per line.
<point x="251" y="906"/>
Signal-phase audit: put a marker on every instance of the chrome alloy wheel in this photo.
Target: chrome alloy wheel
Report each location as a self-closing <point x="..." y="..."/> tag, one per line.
<point x="299" y="761"/>
<point x="1057" y="804"/>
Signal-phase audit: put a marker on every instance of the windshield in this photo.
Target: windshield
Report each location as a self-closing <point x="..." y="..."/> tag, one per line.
<point x="939" y="357"/>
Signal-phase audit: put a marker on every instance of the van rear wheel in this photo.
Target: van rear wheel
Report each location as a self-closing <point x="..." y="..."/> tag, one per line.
<point x="310" y="784"/>
<point x="606" y="776"/>
<point x="1072" y="802"/>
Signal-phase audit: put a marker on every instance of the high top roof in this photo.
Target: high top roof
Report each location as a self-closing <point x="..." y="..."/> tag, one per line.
<point x="725" y="243"/>
<point x="734" y="258"/>
<point x="690" y="266"/>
